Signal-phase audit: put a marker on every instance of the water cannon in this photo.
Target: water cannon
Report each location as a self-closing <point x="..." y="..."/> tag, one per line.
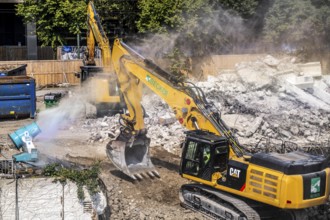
<point x="22" y="138"/>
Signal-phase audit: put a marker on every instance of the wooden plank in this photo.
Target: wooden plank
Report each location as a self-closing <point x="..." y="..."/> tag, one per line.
<point x="49" y="72"/>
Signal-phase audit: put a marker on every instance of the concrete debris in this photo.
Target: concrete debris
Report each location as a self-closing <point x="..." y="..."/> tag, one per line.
<point x="271" y="61"/>
<point x="287" y="112"/>
<point x="256" y="101"/>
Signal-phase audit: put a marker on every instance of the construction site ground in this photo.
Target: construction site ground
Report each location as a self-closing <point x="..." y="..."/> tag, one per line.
<point x="264" y="103"/>
<point x="147" y="199"/>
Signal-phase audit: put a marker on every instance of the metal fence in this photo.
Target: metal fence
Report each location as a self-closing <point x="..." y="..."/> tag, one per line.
<point x="11" y="53"/>
<point x="74" y="52"/>
<point x="7" y="168"/>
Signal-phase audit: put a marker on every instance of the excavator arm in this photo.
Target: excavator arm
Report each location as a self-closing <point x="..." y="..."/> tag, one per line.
<point x="101" y="86"/>
<point x="95" y="33"/>
<point x="187" y="101"/>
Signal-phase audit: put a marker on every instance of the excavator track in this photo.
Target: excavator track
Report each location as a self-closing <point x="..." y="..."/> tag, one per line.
<point x="215" y="204"/>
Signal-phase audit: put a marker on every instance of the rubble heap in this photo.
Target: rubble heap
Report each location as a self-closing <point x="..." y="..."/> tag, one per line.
<point x="256" y="100"/>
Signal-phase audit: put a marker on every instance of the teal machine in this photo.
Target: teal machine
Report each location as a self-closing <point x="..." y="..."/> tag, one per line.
<point x="22" y="138"/>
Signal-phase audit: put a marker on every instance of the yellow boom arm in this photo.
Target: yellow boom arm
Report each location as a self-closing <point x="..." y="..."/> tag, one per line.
<point x="96" y="33"/>
<point x="190" y="109"/>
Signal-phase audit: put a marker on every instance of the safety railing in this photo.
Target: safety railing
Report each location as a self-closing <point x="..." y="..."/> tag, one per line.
<point x="7" y="168"/>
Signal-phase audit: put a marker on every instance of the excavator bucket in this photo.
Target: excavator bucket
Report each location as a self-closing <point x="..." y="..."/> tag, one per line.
<point x="130" y="154"/>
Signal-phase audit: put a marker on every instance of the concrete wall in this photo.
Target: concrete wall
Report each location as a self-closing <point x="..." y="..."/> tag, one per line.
<point x="217" y="63"/>
<point x="40" y="198"/>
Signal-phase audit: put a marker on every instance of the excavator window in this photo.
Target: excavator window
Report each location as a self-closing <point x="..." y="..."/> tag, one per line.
<point x="192" y="159"/>
<point x="206" y="154"/>
<point x="113" y="90"/>
<point x="201" y="159"/>
<point x="220" y="158"/>
<point x="197" y="159"/>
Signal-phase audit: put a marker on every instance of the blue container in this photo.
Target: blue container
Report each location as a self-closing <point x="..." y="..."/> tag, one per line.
<point x="17" y="135"/>
<point x="17" y="96"/>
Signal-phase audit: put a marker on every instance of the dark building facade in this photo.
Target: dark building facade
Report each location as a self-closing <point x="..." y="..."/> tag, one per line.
<point x="12" y="28"/>
<point x="13" y="32"/>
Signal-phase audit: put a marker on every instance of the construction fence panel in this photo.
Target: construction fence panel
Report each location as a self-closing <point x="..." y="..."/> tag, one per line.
<point x="11" y="53"/>
<point x="50" y="72"/>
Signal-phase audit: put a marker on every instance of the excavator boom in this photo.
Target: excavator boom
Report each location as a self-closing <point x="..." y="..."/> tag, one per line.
<point x="187" y="101"/>
<point x="101" y="88"/>
<point x="95" y="33"/>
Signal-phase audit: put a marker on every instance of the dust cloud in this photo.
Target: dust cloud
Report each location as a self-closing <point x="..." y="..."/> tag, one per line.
<point x="216" y="32"/>
<point x="72" y="107"/>
<point x="62" y="116"/>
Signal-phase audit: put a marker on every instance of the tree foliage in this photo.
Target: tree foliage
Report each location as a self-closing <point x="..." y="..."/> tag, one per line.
<point x="54" y="19"/>
<point x="118" y="17"/>
<point x="200" y="26"/>
<point x="322" y="24"/>
<point x="297" y="24"/>
<point x="196" y="27"/>
<point x="245" y="8"/>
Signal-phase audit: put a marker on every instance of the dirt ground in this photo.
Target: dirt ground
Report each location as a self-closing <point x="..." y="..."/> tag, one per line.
<point x="148" y="199"/>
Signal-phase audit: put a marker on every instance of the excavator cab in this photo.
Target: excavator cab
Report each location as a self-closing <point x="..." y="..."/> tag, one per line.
<point x="203" y="154"/>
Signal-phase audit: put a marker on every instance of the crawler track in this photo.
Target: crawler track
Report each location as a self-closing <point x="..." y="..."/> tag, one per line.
<point x="215" y="204"/>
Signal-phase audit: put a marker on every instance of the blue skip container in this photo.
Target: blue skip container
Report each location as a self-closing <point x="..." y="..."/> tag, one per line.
<point x="17" y="135"/>
<point x="17" y="96"/>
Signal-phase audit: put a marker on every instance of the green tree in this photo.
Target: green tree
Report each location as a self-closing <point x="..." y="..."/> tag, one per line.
<point x="118" y="17"/>
<point x="200" y="26"/>
<point x="170" y="15"/>
<point x="322" y="24"/>
<point x="297" y="24"/>
<point x="54" y="19"/>
<point x="244" y="8"/>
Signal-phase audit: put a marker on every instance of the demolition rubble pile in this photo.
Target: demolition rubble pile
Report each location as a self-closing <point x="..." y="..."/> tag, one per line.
<point x="257" y="102"/>
<point x="163" y="128"/>
<point x="260" y="104"/>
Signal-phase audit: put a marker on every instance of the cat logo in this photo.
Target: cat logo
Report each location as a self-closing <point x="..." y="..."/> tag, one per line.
<point x="234" y="172"/>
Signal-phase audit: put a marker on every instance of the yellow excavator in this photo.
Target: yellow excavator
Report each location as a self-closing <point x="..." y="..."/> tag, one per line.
<point x="230" y="183"/>
<point x="102" y="84"/>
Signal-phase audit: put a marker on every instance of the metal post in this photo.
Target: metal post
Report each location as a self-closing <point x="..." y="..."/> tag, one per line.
<point x="78" y="45"/>
<point x="31" y="41"/>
